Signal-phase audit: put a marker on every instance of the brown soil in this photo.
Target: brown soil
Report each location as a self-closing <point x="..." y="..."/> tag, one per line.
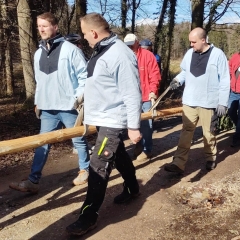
<point x="198" y="205"/>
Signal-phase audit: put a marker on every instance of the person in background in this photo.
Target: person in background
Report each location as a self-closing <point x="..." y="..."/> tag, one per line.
<point x="150" y="78"/>
<point x="147" y="44"/>
<point x="76" y="40"/>
<point x="234" y="98"/>
<point x="205" y="72"/>
<point x="60" y="74"/>
<point x="112" y="100"/>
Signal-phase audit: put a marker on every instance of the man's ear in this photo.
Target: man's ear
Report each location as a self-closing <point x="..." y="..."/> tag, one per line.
<point x="56" y="27"/>
<point x="94" y="34"/>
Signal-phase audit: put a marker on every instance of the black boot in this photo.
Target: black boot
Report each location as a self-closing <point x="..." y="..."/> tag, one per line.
<point x="127" y="194"/>
<point x="86" y="221"/>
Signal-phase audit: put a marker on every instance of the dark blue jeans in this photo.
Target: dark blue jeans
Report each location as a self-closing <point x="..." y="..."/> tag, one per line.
<point x="53" y="120"/>
<point x="234" y="111"/>
<point x="146" y="129"/>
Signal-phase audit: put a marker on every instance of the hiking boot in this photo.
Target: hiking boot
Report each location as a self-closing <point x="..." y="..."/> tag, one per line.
<point x="235" y="142"/>
<point x="172" y="168"/>
<point x="210" y="165"/>
<point x="144" y="156"/>
<point x="85" y="223"/>
<point x="25" y="186"/>
<point x="81" y="178"/>
<point x="125" y="196"/>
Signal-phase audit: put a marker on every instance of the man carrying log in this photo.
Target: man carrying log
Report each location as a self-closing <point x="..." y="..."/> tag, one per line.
<point x="60" y="73"/>
<point x="150" y="78"/>
<point x="206" y="76"/>
<point x="112" y="101"/>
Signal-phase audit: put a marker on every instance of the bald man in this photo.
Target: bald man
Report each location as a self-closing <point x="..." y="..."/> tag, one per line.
<point x="204" y="70"/>
<point x="112" y="102"/>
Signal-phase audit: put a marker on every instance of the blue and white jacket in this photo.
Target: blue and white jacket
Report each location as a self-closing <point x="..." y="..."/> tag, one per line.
<point x="60" y="74"/>
<point x="210" y="87"/>
<point x="112" y="96"/>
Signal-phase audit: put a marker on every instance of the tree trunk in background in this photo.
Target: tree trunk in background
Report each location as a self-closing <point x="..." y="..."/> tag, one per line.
<point x="166" y="61"/>
<point x="197" y="13"/>
<point x="2" y="51"/>
<point x="8" y="69"/>
<point x="81" y="10"/>
<point x="133" y="15"/>
<point x="124" y="10"/>
<point x="157" y="40"/>
<point x="27" y="45"/>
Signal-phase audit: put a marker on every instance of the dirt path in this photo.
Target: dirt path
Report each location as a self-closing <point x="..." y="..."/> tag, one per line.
<point x="197" y="205"/>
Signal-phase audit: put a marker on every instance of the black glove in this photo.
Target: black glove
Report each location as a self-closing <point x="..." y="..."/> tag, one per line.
<point x="221" y="110"/>
<point x="214" y="123"/>
<point x="174" y="84"/>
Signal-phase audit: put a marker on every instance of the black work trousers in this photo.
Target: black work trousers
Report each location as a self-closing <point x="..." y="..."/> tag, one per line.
<point x="109" y="150"/>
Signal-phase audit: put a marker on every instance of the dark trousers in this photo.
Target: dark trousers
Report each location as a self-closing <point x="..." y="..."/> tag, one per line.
<point x="101" y="163"/>
<point x="234" y="111"/>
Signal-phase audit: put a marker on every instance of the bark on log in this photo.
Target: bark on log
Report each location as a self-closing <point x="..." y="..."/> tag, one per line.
<point x="19" y="144"/>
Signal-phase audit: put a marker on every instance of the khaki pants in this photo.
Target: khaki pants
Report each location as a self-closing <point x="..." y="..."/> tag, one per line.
<point x="190" y="118"/>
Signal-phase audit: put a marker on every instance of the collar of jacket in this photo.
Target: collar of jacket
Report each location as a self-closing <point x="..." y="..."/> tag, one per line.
<point x="103" y="43"/>
<point x="51" y="41"/>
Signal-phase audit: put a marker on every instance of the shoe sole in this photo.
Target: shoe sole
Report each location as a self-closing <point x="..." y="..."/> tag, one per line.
<point x="82" y="232"/>
<point x="22" y="190"/>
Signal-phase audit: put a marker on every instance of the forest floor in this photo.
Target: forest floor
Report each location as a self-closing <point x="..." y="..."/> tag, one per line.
<point x="196" y="205"/>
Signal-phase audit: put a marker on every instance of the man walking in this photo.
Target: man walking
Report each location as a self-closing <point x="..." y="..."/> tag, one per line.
<point x="234" y="98"/>
<point x="206" y="76"/>
<point x="113" y="104"/>
<point x="150" y="77"/>
<point x="60" y="73"/>
<point x="147" y="44"/>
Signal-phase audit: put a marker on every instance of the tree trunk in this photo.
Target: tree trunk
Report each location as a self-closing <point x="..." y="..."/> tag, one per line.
<point x="133" y="15"/>
<point x="166" y="62"/>
<point x="124" y="10"/>
<point x="2" y="52"/>
<point x="157" y="40"/>
<point x="197" y="13"/>
<point x="7" y="50"/>
<point x="81" y="10"/>
<point x="27" y="45"/>
<point x="9" y="70"/>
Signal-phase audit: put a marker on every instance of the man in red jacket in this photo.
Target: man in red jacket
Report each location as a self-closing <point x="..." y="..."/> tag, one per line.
<point x="150" y="78"/>
<point x="234" y="98"/>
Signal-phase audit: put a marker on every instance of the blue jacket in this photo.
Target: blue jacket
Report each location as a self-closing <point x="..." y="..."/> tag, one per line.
<point x="112" y="96"/>
<point x="211" y="88"/>
<point x="60" y="75"/>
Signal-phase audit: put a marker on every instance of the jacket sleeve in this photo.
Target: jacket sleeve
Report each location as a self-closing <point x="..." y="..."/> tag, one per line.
<point x="154" y="74"/>
<point x="79" y="67"/>
<point x="224" y="80"/>
<point x="36" y="69"/>
<point x="128" y="84"/>
<point x="231" y="66"/>
<point x="181" y="77"/>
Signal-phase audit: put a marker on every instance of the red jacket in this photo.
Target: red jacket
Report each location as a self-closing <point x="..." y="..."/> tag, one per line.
<point x="234" y="64"/>
<point x="149" y="73"/>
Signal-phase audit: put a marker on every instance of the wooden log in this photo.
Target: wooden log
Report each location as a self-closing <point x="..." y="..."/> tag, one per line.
<point x="19" y="144"/>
